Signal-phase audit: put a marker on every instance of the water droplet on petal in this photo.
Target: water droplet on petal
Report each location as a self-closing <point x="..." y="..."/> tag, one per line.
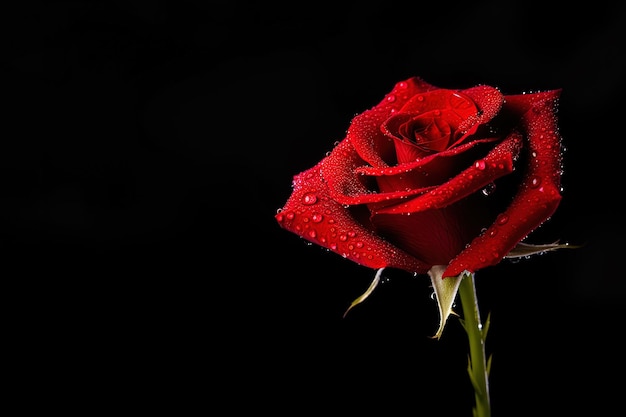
<point x="480" y="164"/>
<point x="535" y="181"/>
<point x="309" y="199"/>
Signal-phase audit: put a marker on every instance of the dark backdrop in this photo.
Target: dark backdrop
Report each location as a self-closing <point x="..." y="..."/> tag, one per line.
<point x="147" y="145"/>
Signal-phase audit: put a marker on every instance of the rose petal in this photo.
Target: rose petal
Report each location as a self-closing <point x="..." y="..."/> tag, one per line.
<point x="314" y="216"/>
<point x="339" y="173"/>
<point x="497" y="163"/>
<point x="488" y="99"/>
<point x="343" y="182"/>
<point x="433" y="236"/>
<point x="539" y="195"/>
<point x="427" y="164"/>
<point x="345" y="178"/>
<point x="453" y="101"/>
<point x="413" y="179"/>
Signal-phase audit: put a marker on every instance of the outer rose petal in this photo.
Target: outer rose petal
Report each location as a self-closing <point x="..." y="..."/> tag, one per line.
<point x="539" y="194"/>
<point x="313" y="215"/>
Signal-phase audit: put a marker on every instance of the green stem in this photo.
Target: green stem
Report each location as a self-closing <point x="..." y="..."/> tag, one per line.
<point x="478" y="368"/>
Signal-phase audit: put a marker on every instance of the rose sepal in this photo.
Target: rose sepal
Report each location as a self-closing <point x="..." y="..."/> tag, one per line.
<point x="367" y="292"/>
<point x="445" y="293"/>
<point x="523" y="250"/>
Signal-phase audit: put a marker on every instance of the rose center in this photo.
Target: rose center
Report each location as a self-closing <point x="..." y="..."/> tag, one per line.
<point x="429" y="132"/>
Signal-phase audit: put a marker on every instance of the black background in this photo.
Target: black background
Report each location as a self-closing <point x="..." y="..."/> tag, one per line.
<point x="148" y="144"/>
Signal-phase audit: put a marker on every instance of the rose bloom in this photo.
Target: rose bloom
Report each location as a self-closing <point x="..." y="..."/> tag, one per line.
<point x="433" y="177"/>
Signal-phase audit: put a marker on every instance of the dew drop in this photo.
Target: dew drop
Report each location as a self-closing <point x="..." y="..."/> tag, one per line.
<point x="480" y="164"/>
<point x="309" y="199"/>
<point x="317" y="217"/>
<point x="391" y="98"/>
<point x="535" y="181"/>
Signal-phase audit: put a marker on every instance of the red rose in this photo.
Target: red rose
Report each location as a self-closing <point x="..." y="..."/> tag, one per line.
<point x="433" y="177"/>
